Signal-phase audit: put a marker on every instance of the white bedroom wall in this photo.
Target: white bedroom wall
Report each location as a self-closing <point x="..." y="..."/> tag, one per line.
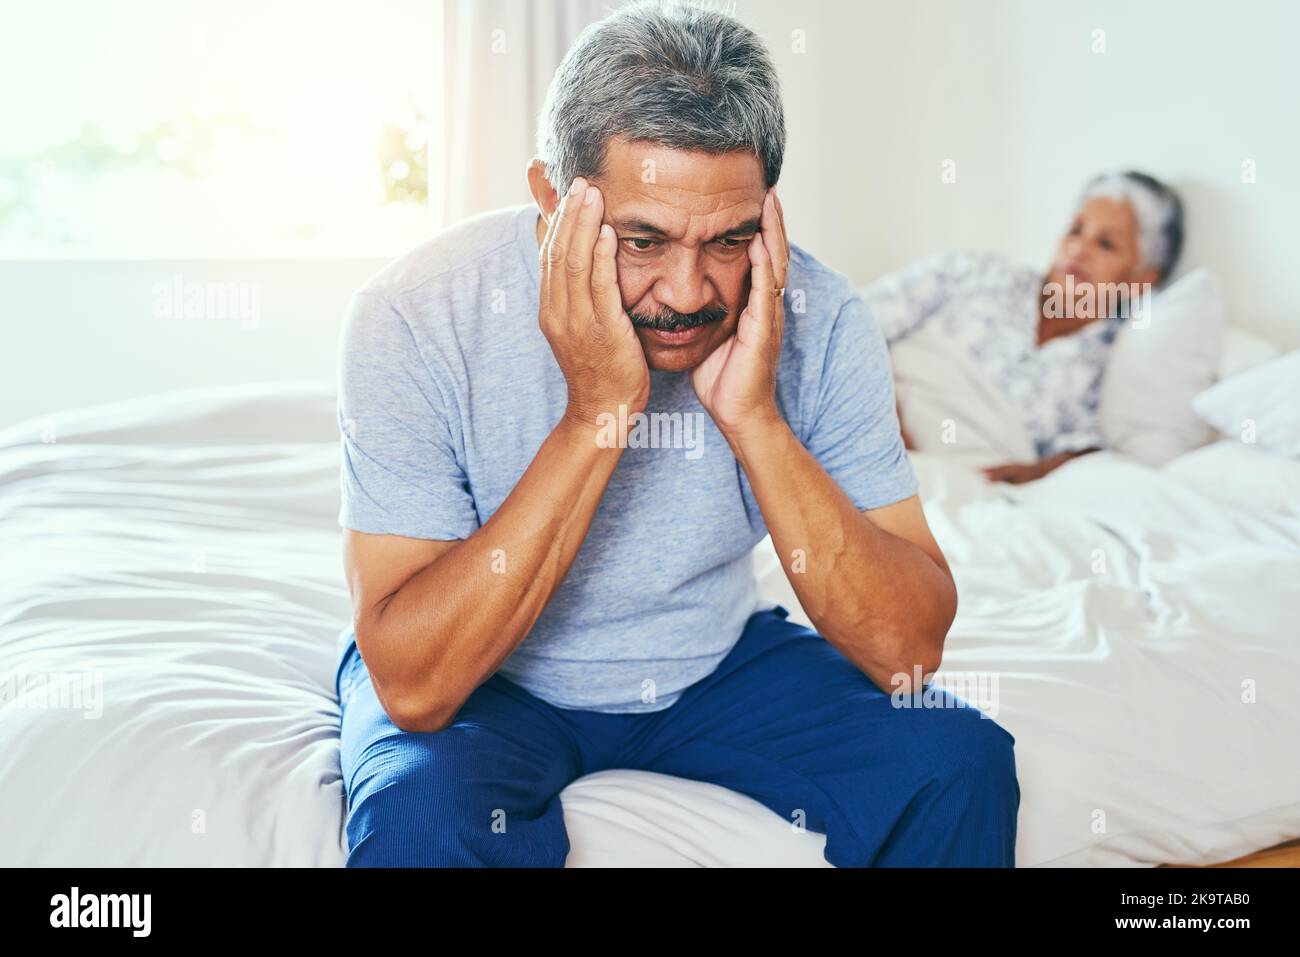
<point x="1014" y="94"/>
<point x="1197" y="93"/>
<point x="80" y="332"/>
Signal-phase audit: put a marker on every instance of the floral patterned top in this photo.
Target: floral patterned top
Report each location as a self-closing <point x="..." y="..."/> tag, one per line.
<point x="992" y="307"/>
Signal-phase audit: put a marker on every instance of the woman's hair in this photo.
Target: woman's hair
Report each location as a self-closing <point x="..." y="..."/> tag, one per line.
<point x="1158" y="210"/>
<point x="678" y="74"/>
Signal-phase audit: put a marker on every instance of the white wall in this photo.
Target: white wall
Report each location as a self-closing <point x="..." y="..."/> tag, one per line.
<point x="1012" y="92"/>
<point x="1190" y="91"/>
<point x="82" y="332"/>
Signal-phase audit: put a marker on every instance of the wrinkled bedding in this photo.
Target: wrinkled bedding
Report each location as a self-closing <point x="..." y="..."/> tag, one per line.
<point x="171" y="591"/>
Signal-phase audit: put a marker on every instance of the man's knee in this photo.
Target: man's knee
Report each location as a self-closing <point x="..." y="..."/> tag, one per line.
<point x="961" y="766"/>
<point x="421" y="805"/>
<point x="963" y="797"/>
<point x="979" y="753"/>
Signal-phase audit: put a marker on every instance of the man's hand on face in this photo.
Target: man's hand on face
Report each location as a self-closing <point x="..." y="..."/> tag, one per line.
<point x="736" y="384"/>
<point x="580" y="311"/>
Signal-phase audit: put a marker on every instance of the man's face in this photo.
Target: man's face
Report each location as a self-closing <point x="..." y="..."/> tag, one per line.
<point x="683" y="221"/>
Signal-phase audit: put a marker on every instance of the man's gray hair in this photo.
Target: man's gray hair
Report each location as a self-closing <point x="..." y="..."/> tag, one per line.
<point x="678" y="74"/>
<point x="1158" y="210"/>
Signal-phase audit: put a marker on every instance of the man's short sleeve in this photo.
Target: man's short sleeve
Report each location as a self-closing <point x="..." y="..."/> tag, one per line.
<point x="400" y="472"/>
<point x="855" y="433"/>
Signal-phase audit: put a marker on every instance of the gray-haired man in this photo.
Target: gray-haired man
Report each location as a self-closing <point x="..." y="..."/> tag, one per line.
<point x="563" y="435"/>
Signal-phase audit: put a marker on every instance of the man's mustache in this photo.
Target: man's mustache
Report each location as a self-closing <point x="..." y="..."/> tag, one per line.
<point x="670" y="321"/>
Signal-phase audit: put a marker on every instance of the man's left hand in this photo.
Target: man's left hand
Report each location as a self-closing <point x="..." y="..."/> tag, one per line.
<point x="736" y="384"/>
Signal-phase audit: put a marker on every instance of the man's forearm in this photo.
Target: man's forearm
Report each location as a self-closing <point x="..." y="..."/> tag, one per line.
<point x="450" y="626"/>
<point x="878" y="598"/>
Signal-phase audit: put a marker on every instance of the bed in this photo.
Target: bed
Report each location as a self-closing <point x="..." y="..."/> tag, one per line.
<point x="172" y="592"/>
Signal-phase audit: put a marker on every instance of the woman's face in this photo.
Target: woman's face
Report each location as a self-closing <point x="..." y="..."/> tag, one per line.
<point x="1101" y="247"/>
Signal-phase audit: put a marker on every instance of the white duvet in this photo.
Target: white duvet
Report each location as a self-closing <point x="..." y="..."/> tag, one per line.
<point x="170" y="594"/>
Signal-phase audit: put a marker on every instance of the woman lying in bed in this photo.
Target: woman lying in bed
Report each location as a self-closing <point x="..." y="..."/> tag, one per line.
<point x="1043" y="340"/>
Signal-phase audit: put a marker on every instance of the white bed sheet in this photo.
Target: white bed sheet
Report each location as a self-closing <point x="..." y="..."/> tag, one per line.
<point x="184" y="552"/>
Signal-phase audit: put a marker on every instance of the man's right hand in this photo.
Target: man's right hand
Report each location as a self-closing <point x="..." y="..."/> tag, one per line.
<point x="581" y="310"/>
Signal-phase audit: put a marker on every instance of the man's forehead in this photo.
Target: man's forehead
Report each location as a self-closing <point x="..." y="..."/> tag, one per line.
<point x="669" y="222"/>
<point x="649" y="184"/>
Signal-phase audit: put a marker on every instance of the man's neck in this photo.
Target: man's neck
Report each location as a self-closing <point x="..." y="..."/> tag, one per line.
<point x="540" y="230"/>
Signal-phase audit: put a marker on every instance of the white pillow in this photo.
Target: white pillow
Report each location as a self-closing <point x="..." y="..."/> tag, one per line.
<point x="951" y="407"/>
<point x="1261" y="406"/>
<point x="1242" y="350"/>
<point x="1157" y="365"/>
<point x="1242" y="474"/>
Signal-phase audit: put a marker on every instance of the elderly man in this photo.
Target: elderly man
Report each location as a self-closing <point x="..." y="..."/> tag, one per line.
<point x="542" y="592"/>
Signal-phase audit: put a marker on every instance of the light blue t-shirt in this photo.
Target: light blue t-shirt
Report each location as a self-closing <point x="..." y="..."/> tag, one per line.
<point x="448" y="388"/>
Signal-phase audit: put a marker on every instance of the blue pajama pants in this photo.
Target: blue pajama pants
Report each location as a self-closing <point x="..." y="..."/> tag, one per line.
<point x="785" y="718"/>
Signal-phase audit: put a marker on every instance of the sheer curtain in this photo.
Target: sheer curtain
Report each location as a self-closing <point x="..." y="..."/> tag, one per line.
<point x="498" y="60"/>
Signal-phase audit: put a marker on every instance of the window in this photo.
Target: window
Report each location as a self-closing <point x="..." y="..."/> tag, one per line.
<point x="153" y="129"/>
